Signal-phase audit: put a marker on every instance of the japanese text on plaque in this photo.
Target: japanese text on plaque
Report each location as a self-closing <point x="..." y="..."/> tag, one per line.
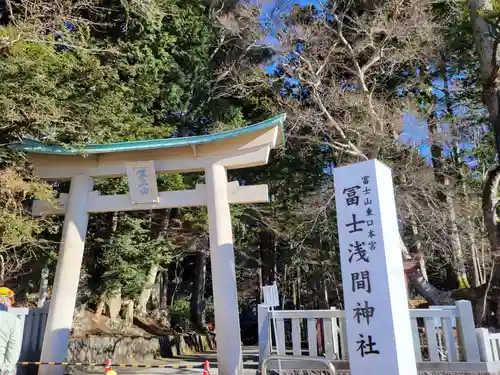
<point x="362" y="247"/>
<point x="142" y="178"/>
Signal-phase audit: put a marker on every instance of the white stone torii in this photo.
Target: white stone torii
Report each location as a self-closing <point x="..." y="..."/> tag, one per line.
<point x="141" y="161"/>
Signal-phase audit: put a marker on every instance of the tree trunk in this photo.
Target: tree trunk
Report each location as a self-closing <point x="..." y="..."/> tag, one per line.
<point x="299" y="288"/>
<point x="325" y="293"/>
<point x="422" y="285"/>
<point x="444" y="196"/>
<point x="284" y="288"/>
<point x="100" y="305"/>
<point x="259" y="296"/>
<point x="164" y="290"/>
<point x="156" y="292"/>
<point x="159" y="226"/>
<point x="458" y="256"/>
<point x="486" y="47"/>
<point x="114" y="303"/>
<point x="147" y="288"/>
<point x="267" y="250"/>
<point x="476" y="262"/>
<point x="454" y="234"/>
<point x="103" y="298"/>
<point x="44" y="286"/>
<point x="198" y="317"/>
<point x="431" y="294"/>
<point x="416" y="248"/>
<point x="176" y="281"/>
<point x="129" y="312"/>
<point x="490" y="203"/>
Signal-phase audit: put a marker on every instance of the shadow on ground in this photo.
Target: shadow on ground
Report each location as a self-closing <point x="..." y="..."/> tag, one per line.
<point x="250" y="361"/>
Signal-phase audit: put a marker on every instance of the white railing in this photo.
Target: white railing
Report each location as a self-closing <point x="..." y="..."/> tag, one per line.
<point x="446" y="343"/>
<point x="444" y="337"/>
<point x="333" y="324"/>
<point x="489" y="348"/>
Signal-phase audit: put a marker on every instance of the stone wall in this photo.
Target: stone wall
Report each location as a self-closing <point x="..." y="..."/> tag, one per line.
<point x="97" y="349"/>
<point x="138" y="349"/>
<point x="175" y="345"/>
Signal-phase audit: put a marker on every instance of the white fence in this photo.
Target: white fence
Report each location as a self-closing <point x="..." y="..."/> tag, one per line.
<point x="33" y="322"/>
<point x="444" y="338"/>
<point x="489" y="347"/>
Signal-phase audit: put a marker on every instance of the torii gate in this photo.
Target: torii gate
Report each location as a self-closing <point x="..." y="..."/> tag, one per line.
<point x="141" y="161"/>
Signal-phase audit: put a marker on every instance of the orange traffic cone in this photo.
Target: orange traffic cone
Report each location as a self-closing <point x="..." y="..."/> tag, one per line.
<point x="206" y="368"/>
<point x="108" y="366"/>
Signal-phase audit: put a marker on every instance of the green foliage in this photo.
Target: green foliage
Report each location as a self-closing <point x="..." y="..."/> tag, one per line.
<point x="64" y="97"/>
<point x="87" y="95"/>
<point x="16" y="228"/>
<point x="179" y="314"/>
<point x="148" y="69"/>
<point x="231" y="119"/>
<point x="122" y="73"/>
<point x="19" y="232"/>
<point x="129" y="252"/>
<point x="180" y="311"/>
<point x="492" y="13"/>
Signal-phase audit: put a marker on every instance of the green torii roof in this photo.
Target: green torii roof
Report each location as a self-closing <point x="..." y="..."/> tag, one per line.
<point x="32" y="146"/>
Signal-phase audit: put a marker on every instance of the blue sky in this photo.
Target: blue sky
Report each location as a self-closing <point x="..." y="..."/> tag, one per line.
<point x="270" y="4"/>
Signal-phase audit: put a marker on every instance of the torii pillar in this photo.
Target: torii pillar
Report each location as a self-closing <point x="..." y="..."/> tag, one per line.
<point x="141" y="161"/>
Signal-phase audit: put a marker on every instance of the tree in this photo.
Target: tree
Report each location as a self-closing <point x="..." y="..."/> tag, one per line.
<point x="18" y="231"/>
<point x="484" y="20"/>
<point x="103" y="71"/>
<point x="346" y="74"/>
<point x="339" y="71"/>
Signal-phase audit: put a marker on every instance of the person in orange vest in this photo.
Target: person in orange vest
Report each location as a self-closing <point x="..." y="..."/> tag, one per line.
<point x="10" y="334"/>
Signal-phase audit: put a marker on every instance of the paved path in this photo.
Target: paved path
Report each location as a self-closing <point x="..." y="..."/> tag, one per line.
<point x="250" y="359"/>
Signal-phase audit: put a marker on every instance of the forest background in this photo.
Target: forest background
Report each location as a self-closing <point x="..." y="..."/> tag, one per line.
<point x="410" y="82"/>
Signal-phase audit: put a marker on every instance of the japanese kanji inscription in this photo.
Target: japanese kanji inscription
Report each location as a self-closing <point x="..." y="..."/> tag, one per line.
<point x="142" y="182"/>
<point x="375" y="299"/>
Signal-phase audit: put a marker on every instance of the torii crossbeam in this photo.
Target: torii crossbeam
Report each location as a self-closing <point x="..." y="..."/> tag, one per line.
<point x="141" y="161"/>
